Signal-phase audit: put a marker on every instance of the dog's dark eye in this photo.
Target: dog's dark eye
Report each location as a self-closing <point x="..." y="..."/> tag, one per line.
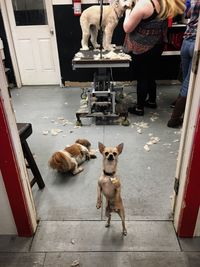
<point x="106" y="154"/>
<point x="114" y="154"/>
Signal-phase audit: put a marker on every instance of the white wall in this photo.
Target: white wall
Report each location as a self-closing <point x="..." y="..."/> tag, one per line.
<point x="7" y="224"/>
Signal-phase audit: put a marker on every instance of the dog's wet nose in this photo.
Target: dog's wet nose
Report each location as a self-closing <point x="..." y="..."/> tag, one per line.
<point x="110" y="157"/>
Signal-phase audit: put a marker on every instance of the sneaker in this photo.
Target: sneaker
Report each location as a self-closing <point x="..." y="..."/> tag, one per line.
<point x="172" y="105"/>
<point x="136" y="111"/>
<point x="149" y="104"/>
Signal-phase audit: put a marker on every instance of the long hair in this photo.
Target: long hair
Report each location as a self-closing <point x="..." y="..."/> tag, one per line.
<point x="171" y="8"/>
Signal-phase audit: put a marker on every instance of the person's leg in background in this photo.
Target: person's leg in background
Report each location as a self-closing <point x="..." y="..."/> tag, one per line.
<point x="153" y="69"/>
<point x="139" y="68"/>
<point x="143" y="72"/>
<point x="150" y="102"/>
<point x="187" y="50"/>
<point x="146" y="67"/>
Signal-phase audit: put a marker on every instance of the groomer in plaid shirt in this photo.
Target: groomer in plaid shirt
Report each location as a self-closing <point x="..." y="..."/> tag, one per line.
<point x="187" y="50"/>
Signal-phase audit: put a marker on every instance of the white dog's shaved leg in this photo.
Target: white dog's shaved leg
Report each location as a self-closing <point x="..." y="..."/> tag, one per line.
<point x="84" y="41"/>
<point x="93" y="38"/>
<point x="108" y="33"/>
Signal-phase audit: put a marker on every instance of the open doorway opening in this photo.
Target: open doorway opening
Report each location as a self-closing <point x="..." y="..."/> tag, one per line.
<point x="148" y="175"/>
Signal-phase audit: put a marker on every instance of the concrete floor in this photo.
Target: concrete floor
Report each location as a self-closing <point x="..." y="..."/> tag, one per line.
<point x="71" y="228"/>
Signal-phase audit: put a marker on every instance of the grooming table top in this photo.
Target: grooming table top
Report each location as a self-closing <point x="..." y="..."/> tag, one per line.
<point x="93" y="59"/>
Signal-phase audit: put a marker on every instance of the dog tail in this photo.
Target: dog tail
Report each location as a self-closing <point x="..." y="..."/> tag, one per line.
<point x="62" y="162"/>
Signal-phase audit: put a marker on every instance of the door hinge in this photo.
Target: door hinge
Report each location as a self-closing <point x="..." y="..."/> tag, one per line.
<point x="176" y="185"/>
<point x="195" y="61"/>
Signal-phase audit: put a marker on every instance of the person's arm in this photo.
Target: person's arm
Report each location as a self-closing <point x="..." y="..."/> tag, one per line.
<point x="141" y="10"/>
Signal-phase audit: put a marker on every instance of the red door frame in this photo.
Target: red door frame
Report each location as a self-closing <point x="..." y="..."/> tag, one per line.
<point x="12" y="180"/>
<point x="191" y="198"/>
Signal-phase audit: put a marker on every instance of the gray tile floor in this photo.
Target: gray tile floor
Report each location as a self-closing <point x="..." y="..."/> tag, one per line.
<point x="70" y="227"/>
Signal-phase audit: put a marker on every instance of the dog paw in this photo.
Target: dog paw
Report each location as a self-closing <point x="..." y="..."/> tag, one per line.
<point x="108" y="48"/>
<point x="96" y="46"/>
<point x="107" y="225"/>
<point x="84" y="48"/>
<point x="124" y="232"/>
<point x="79" y="169"/>
<point x="98" y="205"/>
<point x="93" y="156"/>
<point x="87" y="157"/>
<point x="115" y="182"/>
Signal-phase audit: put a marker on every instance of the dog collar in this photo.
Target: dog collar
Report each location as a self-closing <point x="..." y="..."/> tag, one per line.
<point x="108" y="173"/>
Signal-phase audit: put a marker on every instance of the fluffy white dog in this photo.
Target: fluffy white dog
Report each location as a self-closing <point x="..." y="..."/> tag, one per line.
<point x="90" y="22"/>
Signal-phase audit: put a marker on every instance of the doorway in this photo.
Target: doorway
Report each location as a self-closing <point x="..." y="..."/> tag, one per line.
<point x="33" y="32"/>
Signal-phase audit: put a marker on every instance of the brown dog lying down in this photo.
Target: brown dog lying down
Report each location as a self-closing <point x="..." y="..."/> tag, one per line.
<point x="69" y="159"/>
<point x="109" y="184"/>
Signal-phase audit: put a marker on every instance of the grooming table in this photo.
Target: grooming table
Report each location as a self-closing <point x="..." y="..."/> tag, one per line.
<point x="97" y="59"/>
<point x="100" y="101"/>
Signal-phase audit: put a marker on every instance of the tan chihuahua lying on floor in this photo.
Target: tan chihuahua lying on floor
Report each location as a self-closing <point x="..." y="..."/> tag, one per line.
<point x="109" y="184"/>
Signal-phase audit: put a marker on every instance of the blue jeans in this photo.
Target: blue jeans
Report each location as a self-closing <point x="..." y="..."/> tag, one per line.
<point x="187" y="50"/>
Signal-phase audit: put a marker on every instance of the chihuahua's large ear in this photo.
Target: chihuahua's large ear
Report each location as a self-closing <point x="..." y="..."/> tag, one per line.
<point x="101" y="147"/>
<point x="120" y="148"/>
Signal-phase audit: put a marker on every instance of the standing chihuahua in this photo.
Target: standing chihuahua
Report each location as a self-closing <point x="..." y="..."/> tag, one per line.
<point x="109" y="184"/>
